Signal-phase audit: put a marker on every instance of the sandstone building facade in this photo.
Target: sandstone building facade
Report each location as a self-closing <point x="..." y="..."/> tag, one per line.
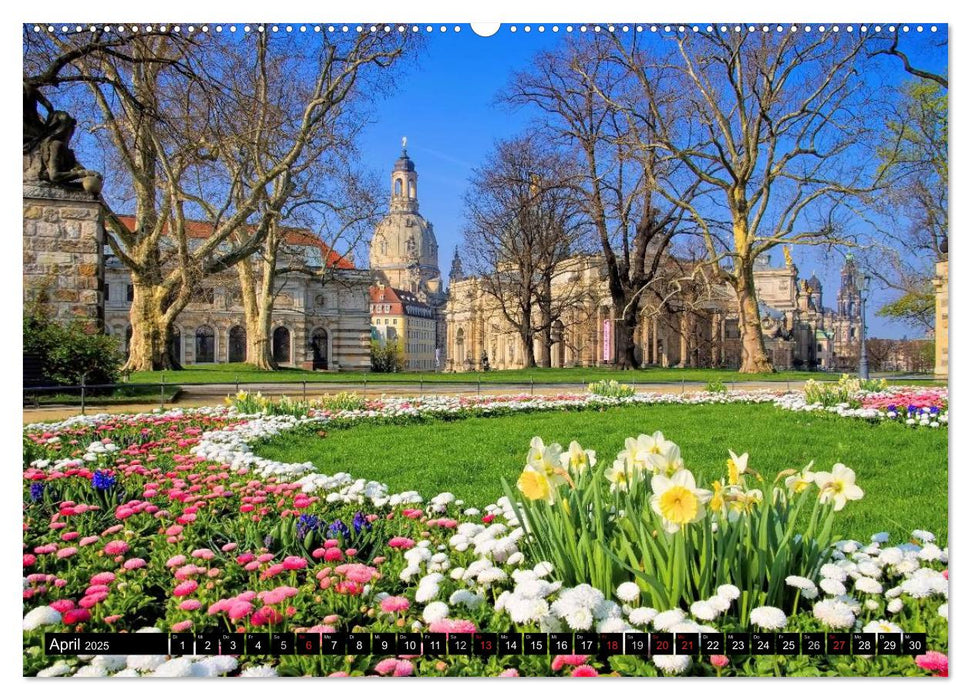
<point x="696" y="325"/>
<point x="319" y="323"/>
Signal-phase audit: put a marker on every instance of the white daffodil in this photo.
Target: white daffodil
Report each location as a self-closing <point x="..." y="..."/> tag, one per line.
<point x="798" y="483"/>
<point x="545" y="459"/>
<point x="623" y="475"/>
<point x="838" y="486"/>
<point x="577" y="460"/>
<point x="666" y="462"/>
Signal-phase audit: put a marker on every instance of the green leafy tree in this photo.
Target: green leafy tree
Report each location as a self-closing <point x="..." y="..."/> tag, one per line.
<point x="67" y="354"/>
<point x="387" y="357"/>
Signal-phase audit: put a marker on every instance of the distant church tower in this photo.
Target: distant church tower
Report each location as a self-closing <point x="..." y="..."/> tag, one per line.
<point x="456" y="274"/>
<point x="848" y="299"/>
<point x="404" y="250"/>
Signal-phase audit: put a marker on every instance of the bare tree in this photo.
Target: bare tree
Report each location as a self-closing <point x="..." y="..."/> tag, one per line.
<point x="891" y="47"/>
<point x="169" y="106"/>
<point x="338" y="209"/>
<point x="632" y="192"/>
<point x="524" y="223"/>
<point x="913" y="209"/>
<point x="773" y="123"/>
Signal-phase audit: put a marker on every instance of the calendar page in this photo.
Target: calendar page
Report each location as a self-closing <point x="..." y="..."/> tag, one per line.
<point x="485" y="350"/>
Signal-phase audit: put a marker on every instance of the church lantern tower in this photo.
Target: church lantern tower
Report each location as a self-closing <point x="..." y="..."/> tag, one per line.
<point x="404" y="183"/>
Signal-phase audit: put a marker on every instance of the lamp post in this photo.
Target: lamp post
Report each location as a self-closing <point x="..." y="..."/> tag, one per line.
<point x="863" y="287"/>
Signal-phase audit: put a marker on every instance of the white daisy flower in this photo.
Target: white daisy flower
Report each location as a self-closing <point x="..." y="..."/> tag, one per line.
<point x="628" y="591"/>
<point x="579" y="619"/>
<point x="834" y="613"/>
<point x="865" y="584"/>
<point x="434" y="612"/>
<point x="881" y="626"/>
<point x="177" y="667"/>
<point x="895" y="605"/>
<point x="832" y="586"/>
<point x="642" y="616"/>
<point x="768" y="617"/>
<point x="807" y="589"/>
<point x="258" y="672"/>
<point x="672" y="663"/>
<point x="703" y="610"/>
<point x="41" y="617"/>
<point x="59" y="668"/>
<point x="727" y="590"/>
<point x="833" y="571"/>
<point x="923" y="535"/>
<point x="667" y="619"/>
<point x="890" y="556"/>
<point x="91" y="671"/>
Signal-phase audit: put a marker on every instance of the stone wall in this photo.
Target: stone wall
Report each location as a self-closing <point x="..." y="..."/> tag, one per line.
<point x="64" y="253"/>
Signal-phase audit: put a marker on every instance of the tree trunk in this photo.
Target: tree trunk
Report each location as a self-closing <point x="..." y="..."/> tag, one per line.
<point x="151" y="333"/>
<point x="529" y="351"/>
<point x="545" y="337"/>
<point x="259" y="351"/>
<point x="754" y="357"/>
<point x="626" y="358"/>
<point x="263" y="335"/>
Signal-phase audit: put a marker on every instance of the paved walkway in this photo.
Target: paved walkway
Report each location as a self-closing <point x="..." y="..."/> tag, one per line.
<point x="215" y="394"/>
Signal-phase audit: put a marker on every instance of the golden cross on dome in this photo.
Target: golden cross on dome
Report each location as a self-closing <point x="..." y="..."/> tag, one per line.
<point x="404" y="142"/>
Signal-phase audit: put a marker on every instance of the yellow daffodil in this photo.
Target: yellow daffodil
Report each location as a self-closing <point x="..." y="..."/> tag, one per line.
<point x="534" y="485"/>
<point x="677" y="500"/>
<point x="838" y="486"/>
<point x="717" y="497"/>
<point x="743" y="502"/>
<point x="736" y="467"/>
<point x="576" y="459"/>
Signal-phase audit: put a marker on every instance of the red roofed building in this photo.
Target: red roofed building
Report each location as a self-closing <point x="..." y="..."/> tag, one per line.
<point x="398" y="316"/>
<point x="320" y="322"/>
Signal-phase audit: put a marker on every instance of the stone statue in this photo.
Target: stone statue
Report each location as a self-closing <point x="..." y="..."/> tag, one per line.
<point x="48" y="157"/>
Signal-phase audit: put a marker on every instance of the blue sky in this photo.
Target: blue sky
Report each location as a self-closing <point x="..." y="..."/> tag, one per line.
<point x="445" y="103"/>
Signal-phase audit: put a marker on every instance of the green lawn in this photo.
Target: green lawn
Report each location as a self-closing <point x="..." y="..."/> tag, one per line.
<point x="903" y="471"/>
<point x="232" y="373"/>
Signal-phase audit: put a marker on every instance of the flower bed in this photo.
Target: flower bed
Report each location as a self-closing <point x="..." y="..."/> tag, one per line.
<point x="170" y="522"/>
<point x="910" y="406"/>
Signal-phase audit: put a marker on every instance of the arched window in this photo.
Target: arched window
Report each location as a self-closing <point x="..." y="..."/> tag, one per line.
<point x="281" y="345"/>
<point x="318" y="344"/>
<point x="205" y="344"/>
<point x="412" y="189"/>
<point x="397" y="187"/>
<point x="460" y="343"/>
<point x="175" y="346"/>
<point x="237" y="344"/>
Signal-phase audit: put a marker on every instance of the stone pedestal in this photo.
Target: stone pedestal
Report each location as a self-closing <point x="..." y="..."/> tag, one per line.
<point x="64" y="253"/>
